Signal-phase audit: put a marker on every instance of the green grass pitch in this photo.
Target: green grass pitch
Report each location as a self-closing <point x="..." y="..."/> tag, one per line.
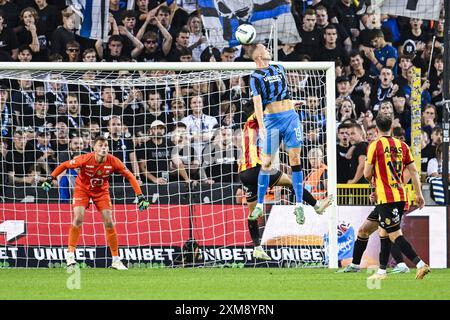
<point x="219" y="284"/>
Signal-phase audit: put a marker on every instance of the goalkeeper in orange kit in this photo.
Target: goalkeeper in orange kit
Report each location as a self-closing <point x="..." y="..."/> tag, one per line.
<point x="92" y="182"/>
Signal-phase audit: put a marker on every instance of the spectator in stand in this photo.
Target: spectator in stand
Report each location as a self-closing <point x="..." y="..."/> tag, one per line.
<point x="346" y="14"/>
<point x="22" y="100"/>
<point x="94" y="129"/>
<point x="319" y="4"/>
<point x="316" y="182"/>
<point x="151" y="111"/>
<point x="331" y="51"/>
<point x="108" y="108"/>
<point x="373" y="22"/>
<point x="12" y="13"/>
<point x="385" y="89"/>
<point x="61" y="142"/>
<point x="56" y="95"/>
<point x="121" y="147"/>
<point x="342" y="38"/>
<point x="399" y="133"/>
<point x="154" y="159"/>
<point x="185" y="55"/>
<point x="142" y="12"/>
<point x="89" y="55"/>
<point x="6" y="114"/>
<point x="163" y="14"/>
<point x="41" y="119"/>
<point x="8" y="41"/>
<point x="114" y="51"/>
<point x="49" y="16"/>
<point x="152" y="51"/>
<point x="72" y="51"/>
<point x="199" y="125"/>
<point x="346" y="110"/>
<point x="382" y="56"/>
<point x="415" y="32"/>
<point x="197" y="40"/>
<point x="74" y="119"/>
<point x="76" y="145"/>
<point x="63" y="34"/>
<point x="115" y="11"/>
<point x="220" y="158"/>
<point x="177" y="113"/>
<point x="429" y="118"/>
<point x="358" y="78"/>
<point x="25" y="54"/>
<point x="357" y="154"/>
<point x="45" y="150"/>
<point x="33" y="34"/>
<point x="311" y="36"/>
<point x="434" y="168"/>
<point x="181" y="41"/>
<point x="429" y="150"/>
<point x="185" y="161"/>
<point x="228" y="54"/>
<point x="20" y="161"/>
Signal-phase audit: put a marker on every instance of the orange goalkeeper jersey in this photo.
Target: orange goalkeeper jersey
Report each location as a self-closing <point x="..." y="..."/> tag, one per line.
<point x="94" y="176"/>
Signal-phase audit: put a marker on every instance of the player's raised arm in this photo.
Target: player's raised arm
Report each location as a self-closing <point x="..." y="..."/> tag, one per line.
<point x="69" y="164"/>
<point x="120" y="167"/>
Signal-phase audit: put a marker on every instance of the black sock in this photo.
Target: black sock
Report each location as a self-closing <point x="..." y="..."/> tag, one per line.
<point x="396" y="253"/>
<point x="406" y="248"/>
<point x="384" y="252"/>
<point x="254" y="232"/>
<point x="308" y="198"/>
<point x="359" y="248"/>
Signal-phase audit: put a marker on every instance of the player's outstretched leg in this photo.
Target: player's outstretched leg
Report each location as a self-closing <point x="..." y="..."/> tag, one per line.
<point x="405" y="247"/>
<point x="263" y="184"/>
<point x="401" y="266"/>
<point x="111" y="237"/>
<point x="74" y="234"/>
<point x="258" y="251"/>
<point x="385" y="251"/>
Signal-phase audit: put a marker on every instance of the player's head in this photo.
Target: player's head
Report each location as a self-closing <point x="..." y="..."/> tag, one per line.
<point x="101" y="146"/>
<point x="384" y="123"/>
<point x="259" y="52"/>
<point x="371" y="133"/>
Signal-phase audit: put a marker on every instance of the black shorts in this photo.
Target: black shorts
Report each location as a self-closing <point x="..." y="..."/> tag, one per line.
<point x="249" y="179"/>
<point x="373" y="216"/>
<point x="390" y="215"/>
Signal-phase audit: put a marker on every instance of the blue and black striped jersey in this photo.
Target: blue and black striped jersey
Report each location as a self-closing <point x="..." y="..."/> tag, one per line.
<point x="270" y="83"/>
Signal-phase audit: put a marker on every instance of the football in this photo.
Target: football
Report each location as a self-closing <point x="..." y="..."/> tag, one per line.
<point x="245" y="33"/>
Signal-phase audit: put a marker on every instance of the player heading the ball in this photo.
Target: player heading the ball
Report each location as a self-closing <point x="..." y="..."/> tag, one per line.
<point x="92" y="182"/>
<point x="277" y="120"/>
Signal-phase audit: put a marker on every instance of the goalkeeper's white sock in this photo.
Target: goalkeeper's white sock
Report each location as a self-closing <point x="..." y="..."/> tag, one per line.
<point x="115" y="258"/>
<point x="259" y="248"/>
<point x="259" y="205"/>
<point x="297" y="204"/>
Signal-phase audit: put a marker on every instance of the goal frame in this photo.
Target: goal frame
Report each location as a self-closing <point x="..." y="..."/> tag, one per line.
<point x="327" y="67"/>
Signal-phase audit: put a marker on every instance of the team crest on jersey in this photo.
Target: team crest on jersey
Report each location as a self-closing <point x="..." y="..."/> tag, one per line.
<point x="387" y="221"/>
<point x="99" y="172"/>
<point x="107" y="171"/>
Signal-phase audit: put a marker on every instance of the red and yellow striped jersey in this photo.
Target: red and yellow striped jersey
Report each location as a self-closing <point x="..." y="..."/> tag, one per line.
<point x="389" y="156"/>
<point x="250" y="155"/>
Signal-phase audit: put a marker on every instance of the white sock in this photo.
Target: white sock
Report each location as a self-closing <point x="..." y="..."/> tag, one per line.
<point x="115" y="258"/>
<point x="355" y="265"/>
<point x="259" y="205"/>
<point x="259" y="248"/>
<point x="402" y="265"/>
<point x="298" y="204"/>
<point x="70" y="254"/>
<point x="381" y="271"/>
<point x="420" y="264"/>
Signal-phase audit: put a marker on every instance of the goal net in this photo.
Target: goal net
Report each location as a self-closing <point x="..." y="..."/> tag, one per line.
<point x="179" y="129"/>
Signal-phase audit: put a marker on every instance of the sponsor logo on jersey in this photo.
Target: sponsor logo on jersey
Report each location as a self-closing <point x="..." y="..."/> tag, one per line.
<point x="88" y="166"/>
<point x="107" y="167"/>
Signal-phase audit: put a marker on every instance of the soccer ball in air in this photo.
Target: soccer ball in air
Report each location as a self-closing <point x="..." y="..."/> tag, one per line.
<point x="245" y="33"/>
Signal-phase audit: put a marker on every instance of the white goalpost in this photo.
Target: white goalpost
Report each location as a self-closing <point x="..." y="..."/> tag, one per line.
<point x="178" y="127"/>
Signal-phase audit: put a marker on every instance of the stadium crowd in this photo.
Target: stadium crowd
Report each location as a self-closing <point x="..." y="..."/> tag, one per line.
<point x="46" y="122"/>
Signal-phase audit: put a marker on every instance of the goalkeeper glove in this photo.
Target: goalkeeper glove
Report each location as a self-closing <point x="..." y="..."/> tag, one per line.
<point x="47" y="184"/>
<point x="142" y="203"/>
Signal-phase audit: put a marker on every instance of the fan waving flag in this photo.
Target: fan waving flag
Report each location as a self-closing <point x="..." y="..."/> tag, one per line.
<point x="221" y="18"/>
<point x="421" y="9"/>
<point x="93" y="18"/>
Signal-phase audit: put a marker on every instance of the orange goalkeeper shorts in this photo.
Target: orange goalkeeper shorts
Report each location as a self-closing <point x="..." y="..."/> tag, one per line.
<point x="101" y="200"/>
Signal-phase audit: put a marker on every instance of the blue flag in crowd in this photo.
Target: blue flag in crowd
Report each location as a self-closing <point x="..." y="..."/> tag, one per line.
<point x="93" y="16"/>
<point x="221" y="18"/>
